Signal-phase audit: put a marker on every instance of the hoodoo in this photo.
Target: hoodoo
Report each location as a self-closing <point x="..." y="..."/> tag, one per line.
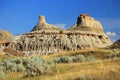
<point x="45" y="38"/>
<point x="43" y="25"/>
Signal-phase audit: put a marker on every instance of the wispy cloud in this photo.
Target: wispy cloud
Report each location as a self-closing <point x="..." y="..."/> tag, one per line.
<point x="113" y="36"/>
<point x="60" y="25"/>
<point x="111" y="33"/>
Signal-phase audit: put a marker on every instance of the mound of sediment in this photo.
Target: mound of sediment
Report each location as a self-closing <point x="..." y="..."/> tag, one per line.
<point x="5" y="36"/>
<point x="10" y="51"/>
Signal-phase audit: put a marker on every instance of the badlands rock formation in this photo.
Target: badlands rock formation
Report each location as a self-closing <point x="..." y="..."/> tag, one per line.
<point x="45" y="38"/>
<point x="43" y="25"/>
<point x="87" y="23"/>
<point x="5" y="36"/>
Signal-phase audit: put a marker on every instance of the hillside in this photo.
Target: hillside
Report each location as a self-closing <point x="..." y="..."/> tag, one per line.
<point x="98" y="67"/>
<point x="116" y="45"/>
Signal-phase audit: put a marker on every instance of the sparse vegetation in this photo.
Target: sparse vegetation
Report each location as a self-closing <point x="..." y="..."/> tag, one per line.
<point x="63" y="59"/>
<point x="77" y="58"/>
<point x="90" y="58"/>
<point x="98" y="54"/>
<point x="114" y="55"/>
<point x="33" y="66"/>
<point x="73" y="66"/>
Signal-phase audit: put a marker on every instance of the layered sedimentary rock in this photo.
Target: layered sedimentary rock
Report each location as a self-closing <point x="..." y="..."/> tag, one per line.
<point x="87" y="33"/>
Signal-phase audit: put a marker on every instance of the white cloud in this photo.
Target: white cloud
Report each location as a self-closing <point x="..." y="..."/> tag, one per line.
<point x="111" y="33"/>
<point x="113" y="36"/>
<point x="60" y="25"/>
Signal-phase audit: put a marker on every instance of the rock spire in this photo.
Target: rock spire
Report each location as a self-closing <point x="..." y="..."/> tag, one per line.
<point x="43" y="25"/>
<point x="42" y="20"/>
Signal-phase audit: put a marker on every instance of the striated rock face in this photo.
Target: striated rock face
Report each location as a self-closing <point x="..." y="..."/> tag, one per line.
<point x="87" y="33"/>
<point x="5" y="36"/>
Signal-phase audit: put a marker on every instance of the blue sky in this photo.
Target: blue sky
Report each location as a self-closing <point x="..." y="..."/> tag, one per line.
<point x="20" y="16"/>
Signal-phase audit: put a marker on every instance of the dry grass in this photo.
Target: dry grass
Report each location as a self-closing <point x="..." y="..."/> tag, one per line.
<point x="97" y="53"/>
<point x="94" y="70"/>
<point x="98" y="70"/>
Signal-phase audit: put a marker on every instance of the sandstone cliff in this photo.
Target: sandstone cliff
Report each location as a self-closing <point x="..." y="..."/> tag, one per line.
<point x="87" y="33"/>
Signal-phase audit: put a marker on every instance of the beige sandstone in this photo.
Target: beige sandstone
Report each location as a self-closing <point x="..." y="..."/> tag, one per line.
<point x="45" y="38"/>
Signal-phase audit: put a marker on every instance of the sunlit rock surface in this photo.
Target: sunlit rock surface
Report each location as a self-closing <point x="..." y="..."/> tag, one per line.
<point x="45" y="38"/>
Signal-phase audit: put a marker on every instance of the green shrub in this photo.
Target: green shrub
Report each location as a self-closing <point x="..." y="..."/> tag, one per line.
<point x="66" y="59"/>
<point x="20" y="67"/>
<point x="63" y="59"/>
<point x="33" y="66"/>
<point x="111" y="56"/>
<point x="79" y="58"/>
<point x="57" y="60"/>
<point x="11" y="67"/>
<point x="90" y="58"/>
<point x="2" y="74"/>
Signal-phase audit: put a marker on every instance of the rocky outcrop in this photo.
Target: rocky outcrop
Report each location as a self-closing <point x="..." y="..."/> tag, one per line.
<point x="45" y="38"/>
<point x="87" y="23"/>
<point x="5" y="36"/>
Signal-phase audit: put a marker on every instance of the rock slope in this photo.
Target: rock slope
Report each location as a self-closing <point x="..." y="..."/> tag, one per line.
<point x="116" y="45"/>
<point x="45" y="38"/>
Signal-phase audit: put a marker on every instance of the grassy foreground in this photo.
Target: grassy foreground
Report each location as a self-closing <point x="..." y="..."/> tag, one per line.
<point x="107" y="69"/>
